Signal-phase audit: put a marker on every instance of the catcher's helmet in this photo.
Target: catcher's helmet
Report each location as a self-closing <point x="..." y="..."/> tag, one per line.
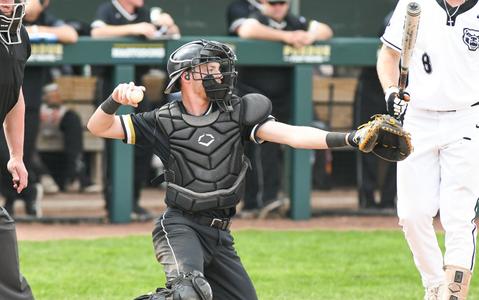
<point x="11" y="16"/>
<point x="200" y="52"/>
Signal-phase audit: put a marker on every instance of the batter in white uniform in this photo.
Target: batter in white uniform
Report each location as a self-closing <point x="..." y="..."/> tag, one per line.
<point x="442" y="174"/>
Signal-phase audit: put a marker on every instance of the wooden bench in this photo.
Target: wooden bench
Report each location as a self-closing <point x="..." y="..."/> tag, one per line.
<point x="333" y="100"/>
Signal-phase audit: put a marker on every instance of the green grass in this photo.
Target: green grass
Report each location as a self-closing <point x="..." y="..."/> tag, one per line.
<point x="283" y="265"/>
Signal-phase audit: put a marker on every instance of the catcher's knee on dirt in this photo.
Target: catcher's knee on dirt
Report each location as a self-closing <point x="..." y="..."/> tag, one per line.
<point x="457" y="282"/>
<point x="190" y="286"/>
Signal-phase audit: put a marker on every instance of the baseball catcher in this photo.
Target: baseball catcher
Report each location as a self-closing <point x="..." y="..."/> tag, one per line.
<point x="200" y="139"/>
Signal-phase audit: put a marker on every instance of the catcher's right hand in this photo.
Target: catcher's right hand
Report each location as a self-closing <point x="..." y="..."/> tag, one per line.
<point x="121" y="93"/>
<point x="385" y="137"/>
<point x="396" y="102"/>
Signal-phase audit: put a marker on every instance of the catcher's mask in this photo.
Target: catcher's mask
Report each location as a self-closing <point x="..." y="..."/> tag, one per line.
<point x="218" y="86"/>
<point x="11" y="16"/>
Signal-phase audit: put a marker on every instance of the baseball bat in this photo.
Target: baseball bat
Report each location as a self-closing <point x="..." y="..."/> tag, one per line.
<point x="411" y="24"/>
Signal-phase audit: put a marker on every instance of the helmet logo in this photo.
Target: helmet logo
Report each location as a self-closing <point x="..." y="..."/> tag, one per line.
<point x="206" y="139"/>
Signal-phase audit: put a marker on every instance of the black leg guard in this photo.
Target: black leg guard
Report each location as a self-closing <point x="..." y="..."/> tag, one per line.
<point x="190" y="286"/>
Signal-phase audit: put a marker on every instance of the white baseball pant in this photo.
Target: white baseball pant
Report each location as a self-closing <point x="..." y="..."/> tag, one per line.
<point x="441" y="174"/>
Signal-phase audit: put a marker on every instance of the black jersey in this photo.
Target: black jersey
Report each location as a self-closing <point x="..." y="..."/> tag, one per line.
<point x="238" y="12"/>
<point x="289" y="23"/>
<point x="12" y="61"/>
<point x="112" y="13"/>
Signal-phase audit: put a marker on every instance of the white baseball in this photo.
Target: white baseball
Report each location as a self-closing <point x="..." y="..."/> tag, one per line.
<point x="135" y="95"/>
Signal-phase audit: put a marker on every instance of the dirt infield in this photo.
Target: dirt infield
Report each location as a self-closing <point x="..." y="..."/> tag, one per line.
<point x="92" y="206"/>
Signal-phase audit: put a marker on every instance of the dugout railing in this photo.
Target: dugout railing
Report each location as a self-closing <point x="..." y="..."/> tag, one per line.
<point x="125" y="53"/>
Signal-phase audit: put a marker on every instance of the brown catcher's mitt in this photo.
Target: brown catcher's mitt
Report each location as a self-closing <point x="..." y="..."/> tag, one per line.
<point x="385" y="137"/>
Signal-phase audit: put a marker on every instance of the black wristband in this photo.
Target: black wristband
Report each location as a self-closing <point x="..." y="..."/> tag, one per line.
<point x="350" y="139"/>
<point x="336" y="139"/>
<point x="110" y="106"/>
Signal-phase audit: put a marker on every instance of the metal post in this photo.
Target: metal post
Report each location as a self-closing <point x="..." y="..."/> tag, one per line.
<point x="300" y="160"/>
<point x="294" y="7"/>
<point x="121" y="162"/>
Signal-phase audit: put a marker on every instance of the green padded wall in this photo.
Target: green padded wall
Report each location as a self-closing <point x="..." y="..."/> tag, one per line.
<point x="349" y="17"/>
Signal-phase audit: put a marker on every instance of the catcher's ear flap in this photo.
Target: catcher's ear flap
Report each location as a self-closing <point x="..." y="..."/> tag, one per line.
<point x="255" y="108"/>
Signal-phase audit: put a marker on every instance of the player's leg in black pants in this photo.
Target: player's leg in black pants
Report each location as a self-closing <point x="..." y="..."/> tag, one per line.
<point x="183" y="246"/>
<point x="389" y="187"/>
<point x="253" y="197"/>
<point x="272" y="164"/>
<point x="368" y="180"/>
<point x="5" y="178"/>
<point x="13" y="286"/>
<point x="142" y="159"/>
<point x="142" y="163"/>
<point x="107" y="175"/>
<point x="31" y="194"/>
<point x="10" y="194"/>
<point x="370" y="101"/>
<point x="271" y="153"/>
<point x="72" y="129"/>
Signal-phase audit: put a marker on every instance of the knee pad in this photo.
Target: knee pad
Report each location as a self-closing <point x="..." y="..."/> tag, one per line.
<point x="190" y="286"/>
<point x="457" y="282"/>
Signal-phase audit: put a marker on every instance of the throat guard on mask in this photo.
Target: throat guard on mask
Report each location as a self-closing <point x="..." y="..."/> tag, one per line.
<point x="206" y="166"/>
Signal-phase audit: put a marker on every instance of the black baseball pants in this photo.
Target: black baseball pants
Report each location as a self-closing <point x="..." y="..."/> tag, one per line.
<point x="13" y="286"/>
<point x="183" y="246"/>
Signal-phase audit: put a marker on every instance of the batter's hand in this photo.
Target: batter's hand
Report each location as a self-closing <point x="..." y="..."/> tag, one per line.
<point x="19" y="174"/>
<point x="396" y="102"/>
<point x="120" y="93"/>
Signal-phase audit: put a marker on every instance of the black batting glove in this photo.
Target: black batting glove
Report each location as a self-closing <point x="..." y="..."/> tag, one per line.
<point x="396" y="102"/>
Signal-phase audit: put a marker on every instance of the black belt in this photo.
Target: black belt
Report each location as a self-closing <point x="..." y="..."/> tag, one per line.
<point x="219" y="223"/>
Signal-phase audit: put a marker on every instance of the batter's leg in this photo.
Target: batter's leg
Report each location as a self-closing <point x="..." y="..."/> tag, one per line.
<point x="418" y="197"/>
<point x="459" y="203"/>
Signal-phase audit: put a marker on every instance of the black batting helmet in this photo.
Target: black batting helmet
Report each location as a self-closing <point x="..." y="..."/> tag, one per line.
<point x="201" y="52"/>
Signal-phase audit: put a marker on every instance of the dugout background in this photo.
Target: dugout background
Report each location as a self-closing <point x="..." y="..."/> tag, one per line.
<point x="348" y="18"/>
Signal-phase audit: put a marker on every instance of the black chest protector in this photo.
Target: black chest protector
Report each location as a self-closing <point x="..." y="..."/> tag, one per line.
<point x="206" y="166"/>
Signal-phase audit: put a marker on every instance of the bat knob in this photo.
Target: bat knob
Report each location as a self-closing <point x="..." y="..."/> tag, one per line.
<point x="413" y="9"/>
